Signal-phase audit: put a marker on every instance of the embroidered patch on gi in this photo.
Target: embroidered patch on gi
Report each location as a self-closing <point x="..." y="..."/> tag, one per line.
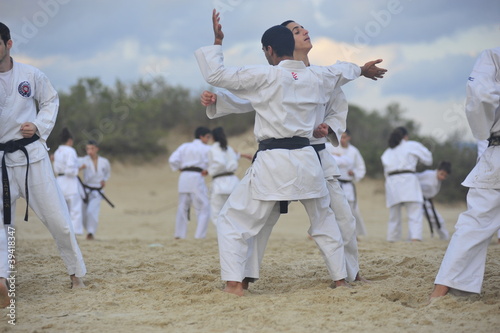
<point x="24" y="89"/>
<point x="295" y="76"/>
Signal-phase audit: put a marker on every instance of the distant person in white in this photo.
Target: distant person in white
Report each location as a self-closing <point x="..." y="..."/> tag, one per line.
<point x="464" y="262"/>
<point x="430" y="181"/>
<point x="191" y="159"/>
<point x="402" y="188"/>
<point x="222" y="164"/>
<point x="96" y="172"/>
<point x="352" y="170"/>
<point x="66" y="170"/>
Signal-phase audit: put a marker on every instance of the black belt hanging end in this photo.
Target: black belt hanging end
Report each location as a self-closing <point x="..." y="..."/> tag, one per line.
<point x="283" y="207"/>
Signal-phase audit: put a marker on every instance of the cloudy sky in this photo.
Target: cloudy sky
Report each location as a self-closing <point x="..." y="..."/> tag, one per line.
<point x="428" y="46"/>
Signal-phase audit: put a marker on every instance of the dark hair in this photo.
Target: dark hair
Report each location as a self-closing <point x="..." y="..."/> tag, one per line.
<point x="201" y="131"/>
<point x="65" y="135"/>
<point x="445" y="166"/>
<point x="4" y="33"/>
<point x="280" y="39"/>
<point x="347" y="132"/>
<point x="287" y="23"/>
<point x="92" y="143"/>
<point x="220" y="137"/>
<point x="396" y="136"/>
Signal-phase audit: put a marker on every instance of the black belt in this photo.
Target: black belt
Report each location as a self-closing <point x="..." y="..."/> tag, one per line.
<point x="494" y="140"/>
<point x="196" y="169"/>
<point x="319" y="147"/>
<point x="60" y="174"/>
<point x="98" y="189"/>
<point x="10" y="147"/>
<point x="400" y="172"/>
<point x="295" y="142"/>
<point x="434" y="213"/>
<point x="344" y="181"/>
<point x="223" y="174"/>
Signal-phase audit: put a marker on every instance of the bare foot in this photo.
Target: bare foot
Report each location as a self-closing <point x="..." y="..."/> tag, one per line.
<point x="4" y="293"/>
<point x="439" y="290"/>
<point x="90" y="237"/>
<point x="234" y="287"/>
<point x="342" y="283"/>
<point x="361" y="279"/>
<point x="76" y="282"/>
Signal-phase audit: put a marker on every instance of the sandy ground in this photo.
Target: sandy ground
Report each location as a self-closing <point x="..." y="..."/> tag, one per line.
<point x="142" y="280"/>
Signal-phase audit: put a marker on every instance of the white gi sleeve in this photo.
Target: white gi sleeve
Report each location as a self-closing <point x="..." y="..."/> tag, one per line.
<point x="48" y="102"/>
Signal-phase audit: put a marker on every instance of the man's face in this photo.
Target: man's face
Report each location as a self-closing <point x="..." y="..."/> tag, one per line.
<point x="442" y="175"/>
<point x="206" y="138"/>
<point x="5" y="50"/>
<point x="301" y="36"/>
<point x="92" y="150"/>
<point x="344" y="140"/>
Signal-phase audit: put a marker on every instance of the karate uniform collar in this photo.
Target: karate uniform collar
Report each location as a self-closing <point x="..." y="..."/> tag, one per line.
<point x="292" y="64"/>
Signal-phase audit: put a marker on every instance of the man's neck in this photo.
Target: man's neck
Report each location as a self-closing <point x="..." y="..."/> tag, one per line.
<point x="6" y="65"/>
<point x="302" y="56"/>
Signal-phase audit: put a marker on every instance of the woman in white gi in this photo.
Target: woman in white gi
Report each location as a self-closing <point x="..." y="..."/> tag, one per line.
<point x="464" y="262"/>
<point x="352" y="170"/>
<point x="402" y="188"/>
<point x="222" y="164"/>
<point x="20" y="121"/>
<point x="430" y="182"/>
<point x="96" y="172"/>
<point x="66" y="170"/>
<point x="191" y="159"/>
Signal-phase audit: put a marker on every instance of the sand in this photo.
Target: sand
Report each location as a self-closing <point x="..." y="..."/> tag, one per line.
<point x="142" y="280"/>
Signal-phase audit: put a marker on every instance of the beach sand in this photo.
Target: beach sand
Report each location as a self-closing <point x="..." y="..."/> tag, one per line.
<point x="142" y="280"/>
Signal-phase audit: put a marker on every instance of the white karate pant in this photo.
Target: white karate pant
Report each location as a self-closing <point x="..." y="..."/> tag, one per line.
<point x="414" y="212"/>
<point x="360" y="223"/>
<point x="201" y="204"/>
<point x="217" y="201"/>
<point x="243" y="217"/>
<point x="344" y="219"/>
<point x="74" y="202"/>
<point x="47" y="201"/>
<point x="441" y="231"/>
<point x="464" y="262"/>
<point x="91" y="212"/>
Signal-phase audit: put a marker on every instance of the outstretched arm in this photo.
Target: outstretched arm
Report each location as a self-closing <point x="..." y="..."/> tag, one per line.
<point x="371" y="71"/>
<point x="218" y="34"/>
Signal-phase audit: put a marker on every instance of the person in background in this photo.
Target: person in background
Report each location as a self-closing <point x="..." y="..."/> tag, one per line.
<point x="66" y="170"/>
<point x="352" y="170"/>
<point x="402" y="188"/>
<point x="191" y="159"/>
<point x="430" y="182"/>
<point x="222" y="164"/>
<point x="96" y="172"/>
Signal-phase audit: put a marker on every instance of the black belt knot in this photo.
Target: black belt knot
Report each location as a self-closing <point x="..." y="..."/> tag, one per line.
<point x="295" y="142"/>
<point x="11" y="147"/>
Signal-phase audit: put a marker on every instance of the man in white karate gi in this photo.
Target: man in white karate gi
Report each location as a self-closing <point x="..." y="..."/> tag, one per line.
<point x="285" y="97"/>
<point x="464" y="262"/>
<point x="430" y="182"/>
<point x="23" y="133"/>
<point x="191" y="159"/>
<point x="96" y="172"/>
<point x="331" y="118"/>
<point x="352" y="170"/>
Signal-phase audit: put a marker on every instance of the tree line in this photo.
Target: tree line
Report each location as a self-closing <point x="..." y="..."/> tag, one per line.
<point x="130" y="122"/>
